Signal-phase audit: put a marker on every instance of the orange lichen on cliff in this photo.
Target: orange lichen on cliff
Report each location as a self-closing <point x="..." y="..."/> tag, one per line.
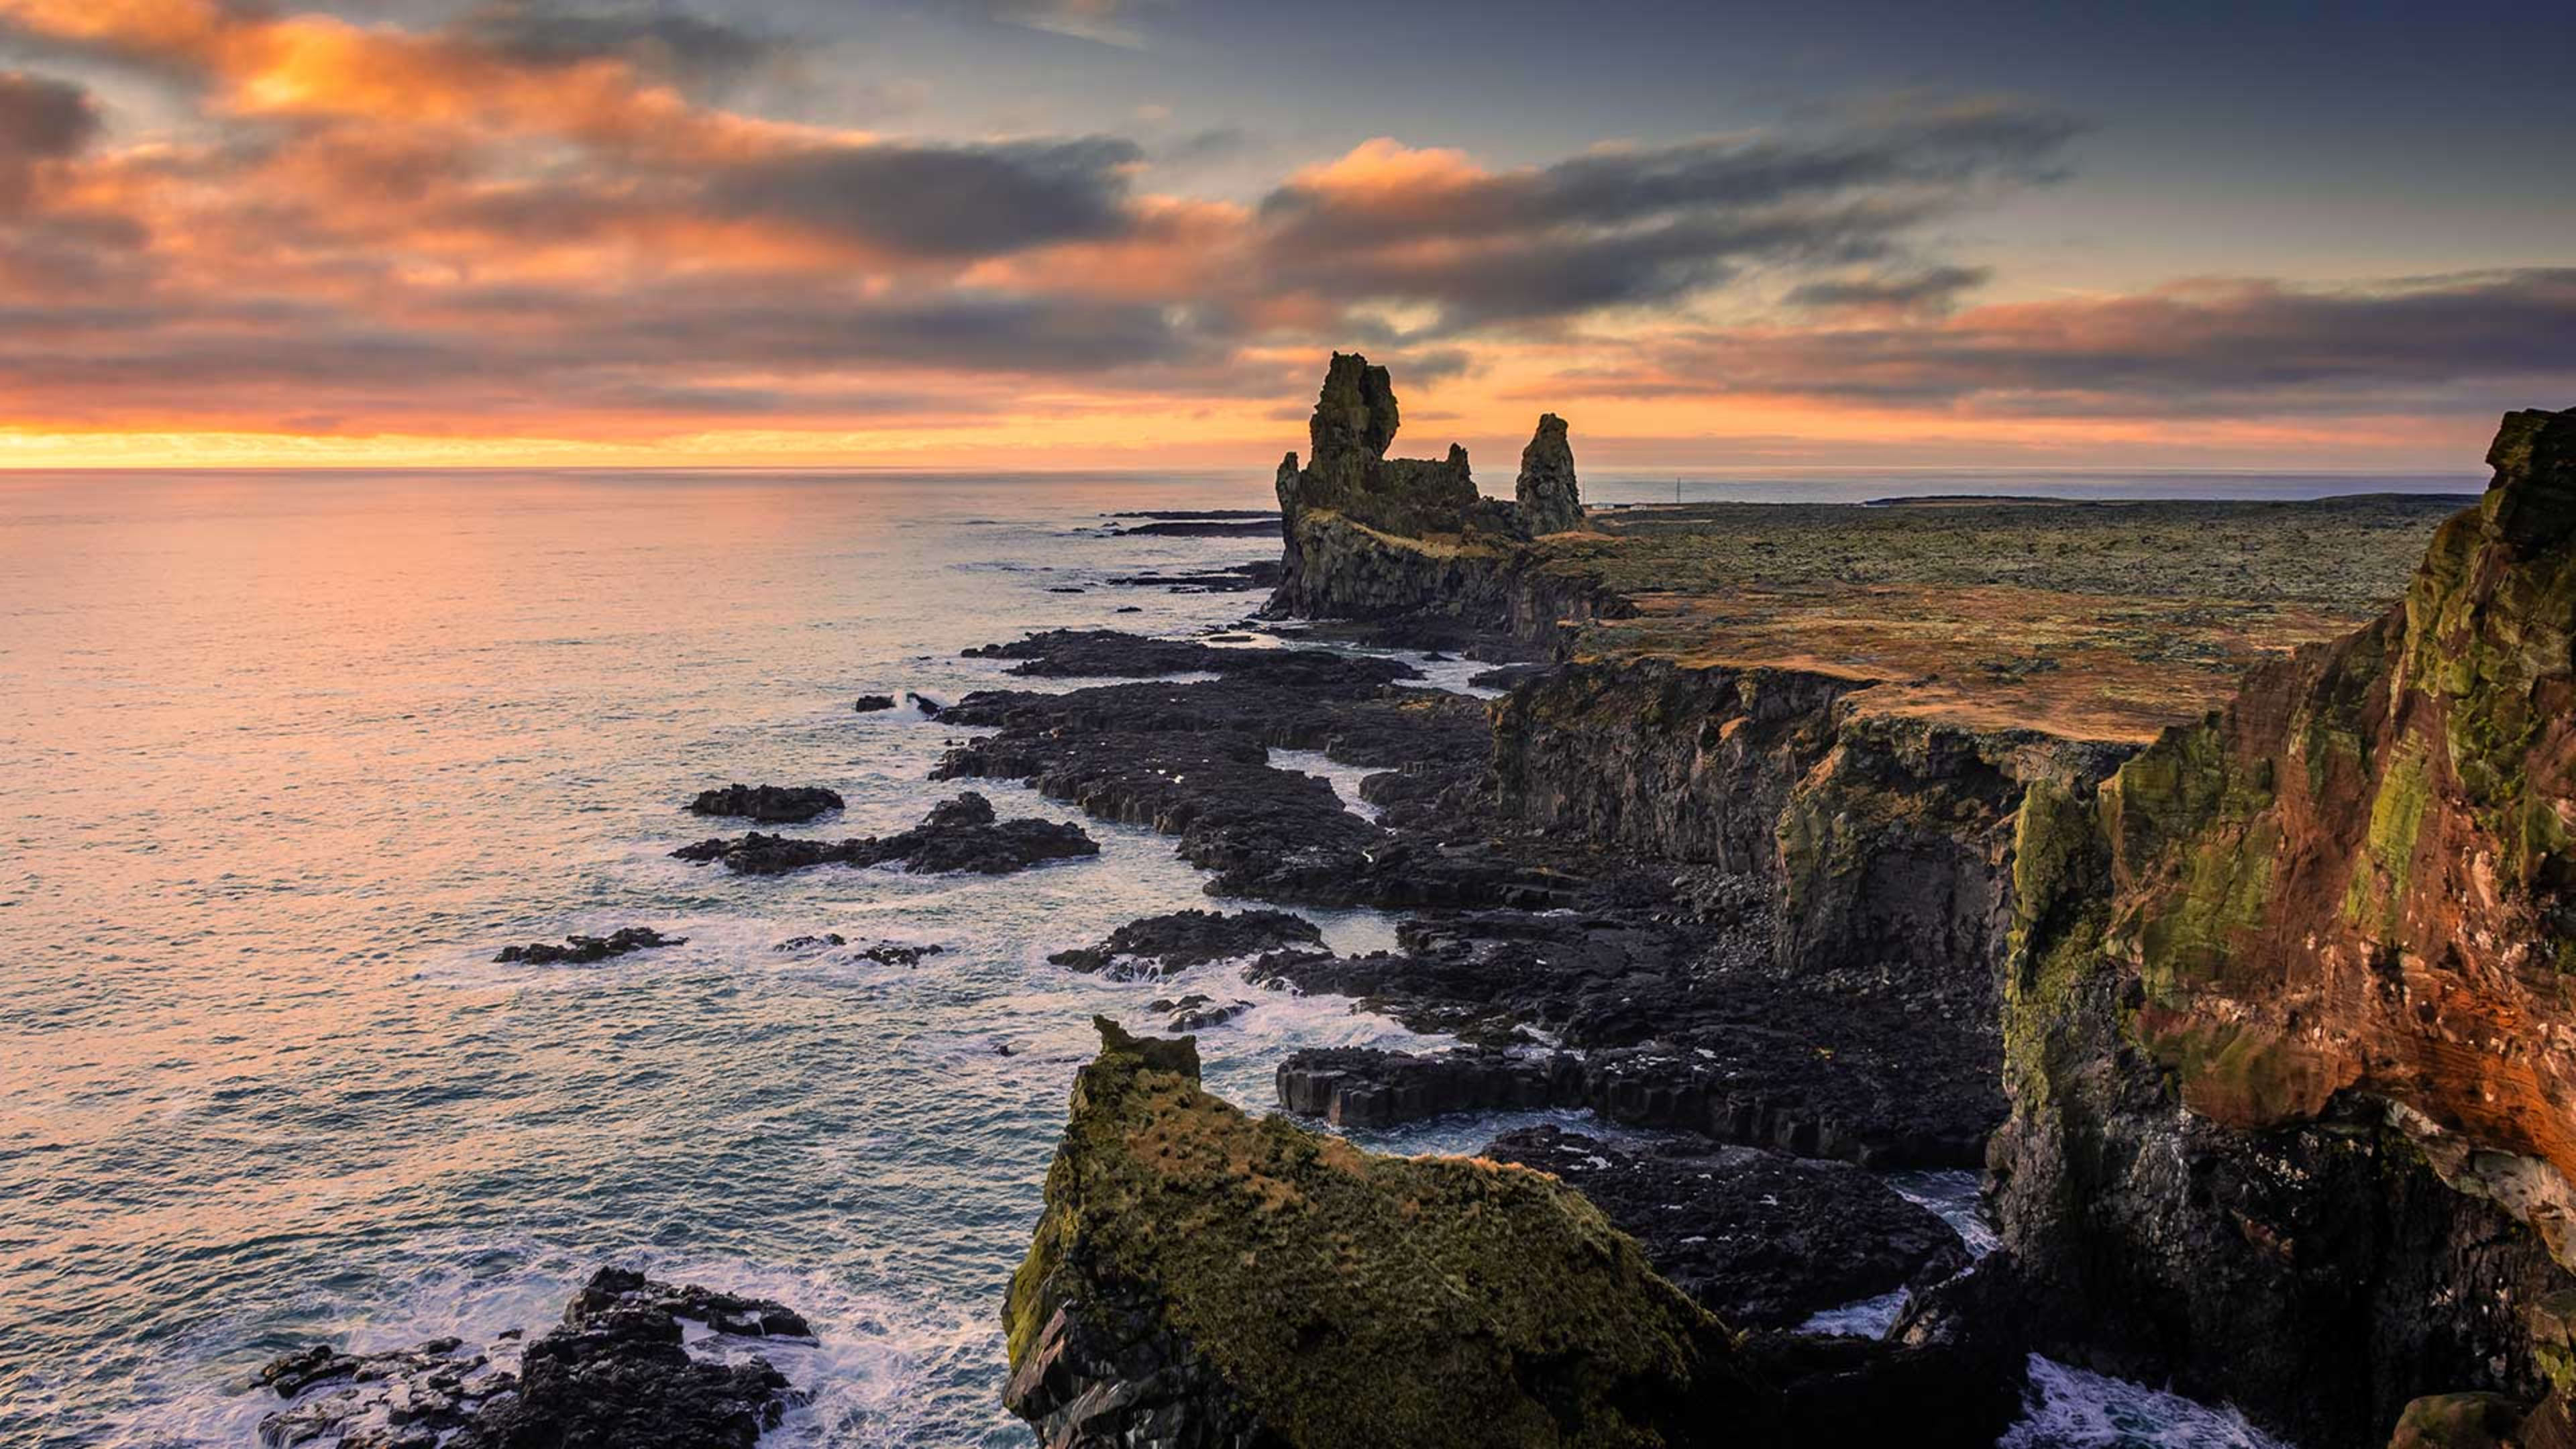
<point x="2359" y="874"/>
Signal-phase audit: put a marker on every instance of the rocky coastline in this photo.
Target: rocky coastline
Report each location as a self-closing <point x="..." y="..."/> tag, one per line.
<point x="2229" y="961"/>
<point x="2253" y="1023"/>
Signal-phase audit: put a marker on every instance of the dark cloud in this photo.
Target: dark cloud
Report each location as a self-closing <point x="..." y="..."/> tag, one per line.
<point x="1202" y="148"/>
<point x="934" y="201"/>
<point x="1935" y="290"/>
<point x="2241" y="348"/>
<point x="658" y="40"/>
<point x="626" y="352"/>
<point x="41" y="119"/>
<point x="1645" y="225"/>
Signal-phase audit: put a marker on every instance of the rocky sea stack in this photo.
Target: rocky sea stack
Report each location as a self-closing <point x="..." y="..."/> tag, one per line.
<point x="1379" y="538"/>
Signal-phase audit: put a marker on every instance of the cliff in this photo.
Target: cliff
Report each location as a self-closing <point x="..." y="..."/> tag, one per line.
<point x="2258" y="890"/>
<point x="2288" y="1015"/>
<point x="1202" y="1277"/>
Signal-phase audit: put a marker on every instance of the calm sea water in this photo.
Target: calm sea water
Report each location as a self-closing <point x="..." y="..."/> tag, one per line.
<point x="288" y="758"/>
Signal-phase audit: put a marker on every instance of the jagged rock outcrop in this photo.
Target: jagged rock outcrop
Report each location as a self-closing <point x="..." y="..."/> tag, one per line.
<point x="587" y="950"/>
<point x="1760" y="1239"/>
<point x="1549" y="500"/>
<point x="768" y="804"/>
<point x="2289" y="1021"/>
<point x="1179" y="940"/>
<point x="1204" y="1278"/>
<point x="617" y="1374"/>
<point x="1377" y="538"/>
<point x="1201" y="1277"/>
<point x="957" y="835"/>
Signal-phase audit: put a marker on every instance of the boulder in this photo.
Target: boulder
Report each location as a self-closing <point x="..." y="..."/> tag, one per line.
<point x="958" y="835"/>
<point x="585" y="950"/>
<point x="768" y="804"/>
<point x="1159" y="945"/>
<point x="2460" y="1421"/>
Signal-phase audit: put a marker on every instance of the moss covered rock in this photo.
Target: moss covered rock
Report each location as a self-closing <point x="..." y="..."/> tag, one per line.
<point x="1205" y="1277"/>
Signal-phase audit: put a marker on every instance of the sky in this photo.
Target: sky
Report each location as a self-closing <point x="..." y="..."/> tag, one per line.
<point x="1028" y="234"/>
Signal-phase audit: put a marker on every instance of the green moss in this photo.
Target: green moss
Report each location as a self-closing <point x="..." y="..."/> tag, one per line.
<point x="2552" y="1321"/>
<point x="2059" y="909"/>
<point x="2185" y="811"/>
<point x="2383" y="868"/>
<point x="2492" y="644"/>
<point x="1354" y="1299"/>
<point x="2242" y="1074"/>
<point x="2459" y="1421"/>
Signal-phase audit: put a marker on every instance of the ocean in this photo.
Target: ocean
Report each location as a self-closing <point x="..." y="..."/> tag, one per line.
<point x="289" y="757"/>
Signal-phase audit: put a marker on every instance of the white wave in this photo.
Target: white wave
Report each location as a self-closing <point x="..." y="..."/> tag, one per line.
<point x="2072" y="1408"/>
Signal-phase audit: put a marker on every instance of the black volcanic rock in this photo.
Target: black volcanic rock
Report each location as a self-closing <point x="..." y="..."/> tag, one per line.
<point x="614" y="1375"/>
<point x="1097" y="653"/>
<point x="1112" y="654"/>
<point x="584" y="950"/>
<point x="768" y="804"/>
<point x="871" y="703"/>
<point x="1196" y="1012"/>
<point x="1158" y="945"/>
<point x="958" y="835"/>
<point x="1192" y="759"/>
<point x="1762" y="1240"/>
<point x="1201" y="527"/>
<point x="1231" y="579"/>
<point x="1670" y="1021"/>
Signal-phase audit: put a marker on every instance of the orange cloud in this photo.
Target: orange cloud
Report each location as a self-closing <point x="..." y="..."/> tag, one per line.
<point x="481" y="242"/>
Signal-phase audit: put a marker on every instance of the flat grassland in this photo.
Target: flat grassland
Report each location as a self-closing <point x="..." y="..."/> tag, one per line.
<point x="2103" y="621"/>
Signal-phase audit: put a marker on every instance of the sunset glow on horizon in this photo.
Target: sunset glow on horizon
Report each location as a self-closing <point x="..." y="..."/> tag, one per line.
<point x="1078" y="234"/>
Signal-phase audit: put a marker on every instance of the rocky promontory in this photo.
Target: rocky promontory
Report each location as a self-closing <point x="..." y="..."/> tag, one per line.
<point x="1205" y="1277"/>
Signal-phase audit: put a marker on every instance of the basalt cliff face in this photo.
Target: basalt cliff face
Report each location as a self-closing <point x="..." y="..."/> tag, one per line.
<point x="1378" y="538"/>
<point x="2290" y="1006"/>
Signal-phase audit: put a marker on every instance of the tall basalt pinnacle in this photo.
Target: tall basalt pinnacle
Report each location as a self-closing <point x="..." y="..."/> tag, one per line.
<point x="1355" y="413"/>
<point x="1549" y="500"/>
<point x="1348" y="474"/>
